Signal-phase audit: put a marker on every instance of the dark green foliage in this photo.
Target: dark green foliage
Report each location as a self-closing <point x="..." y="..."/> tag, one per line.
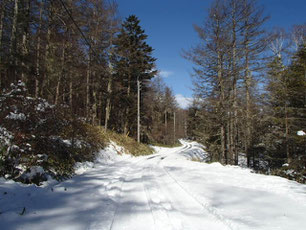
<point x="295" y="171"/>
<point x="287" y="113"/>
<point x="158" y="115"/>
<point x="132" y="61"/>
<point x="203" y="127"/>
<point x="42" y="135"/>
<point x="134" y="56"/>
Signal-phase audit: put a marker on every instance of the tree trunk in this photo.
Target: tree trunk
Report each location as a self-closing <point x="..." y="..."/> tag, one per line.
<point x="110" y="82"/>
<point x="247" y="84"/>
<point x="286" y="123"/>
<point x="14" y="28"/>
<point x="166" y="122"/>
<point x="41" y="6"/>
<point x="228" y="135"/>
<point x="138" y="110"/>
<point x="174" y="127"/>
<point x="61" y="74"/>
<point x="88" y="76"/>
<point x="236" y="131"/>
<point x="48" y="54"/>
<point x="287" y="134"/>
<point x="126" y="123"/>
<point x="248" y="113"/>
<point x="108" y="103"/>
<point x="166" y="127"/>
<point x="223" y="156"/>
<point x="94" y="108"/>
<point x="232" y="140"/>
<point x="71" y="93"/>
<point x="234" y="121"/>
<point x="100" y="110"/>
<point x="224" y="152"/>
<point x="25" y="39"/>
<point x="13" y="41"/>
<point x="2" y="10"/>
<point x="223" y="144"/>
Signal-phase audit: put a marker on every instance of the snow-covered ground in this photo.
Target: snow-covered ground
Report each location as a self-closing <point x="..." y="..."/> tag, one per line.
<point x="162" y="191"/>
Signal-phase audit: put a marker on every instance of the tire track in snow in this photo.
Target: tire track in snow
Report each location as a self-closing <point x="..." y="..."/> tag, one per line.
<point x="179" y="201"/>
<point x="112" y="198"/>
<point x="187" y="147"/>
<point x="113" y="193"/>
<point x="126" y="181"/>
<point x="118" y="202"/>
<point x="159" y="205"/>
<point x="211" y="210"/>
<point x="170" y="205"/>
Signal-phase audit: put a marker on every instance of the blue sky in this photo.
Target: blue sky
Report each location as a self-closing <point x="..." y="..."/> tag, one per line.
<point x="169" y="25"/>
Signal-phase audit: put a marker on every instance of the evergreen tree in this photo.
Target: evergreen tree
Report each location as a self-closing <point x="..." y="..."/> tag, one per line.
<point x="297" y="104"/>
<point x="133" y="62"/>
<point x="164" y="121"/>
<point x="276" y="138"/>
<point x="287" y="114"/>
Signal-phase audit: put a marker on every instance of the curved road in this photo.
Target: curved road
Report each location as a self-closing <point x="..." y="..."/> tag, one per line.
<point x="164" y="191"/>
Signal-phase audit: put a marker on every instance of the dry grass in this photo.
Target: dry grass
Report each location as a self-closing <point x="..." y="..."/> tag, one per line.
<point x="132" y="146"/>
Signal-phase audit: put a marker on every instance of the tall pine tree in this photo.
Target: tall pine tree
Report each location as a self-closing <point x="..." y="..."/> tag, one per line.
<point x="286" y="88"/>
<point x="133" y="62"/>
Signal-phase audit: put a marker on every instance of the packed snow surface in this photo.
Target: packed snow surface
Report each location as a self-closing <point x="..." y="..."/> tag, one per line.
<point x="162" y="191"/>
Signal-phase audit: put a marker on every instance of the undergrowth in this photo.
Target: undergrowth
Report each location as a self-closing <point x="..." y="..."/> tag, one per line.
<point x="295" y="171"/>
<point x="129" y="144"/>
<point x="38" y="140"/>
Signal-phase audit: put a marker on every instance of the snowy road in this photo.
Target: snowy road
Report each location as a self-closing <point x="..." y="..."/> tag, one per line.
<point x="161" y="191"/>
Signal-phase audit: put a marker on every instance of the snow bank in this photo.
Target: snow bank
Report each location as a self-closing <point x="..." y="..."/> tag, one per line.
<point x="21" y="203"/>
<point x="110" y="154"/>
<point x="162" y="191"/>
<point x="301" y="133"/>
<point x="193" y="151"/>
<point x="238" y="197"/>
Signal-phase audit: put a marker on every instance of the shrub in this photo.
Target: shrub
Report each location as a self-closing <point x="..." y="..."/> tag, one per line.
<point x="36" y="135"/>
<point x="295" y="171"/>
<point x="133" y="147"/>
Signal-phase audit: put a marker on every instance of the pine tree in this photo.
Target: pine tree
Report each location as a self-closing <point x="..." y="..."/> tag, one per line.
<point x="133" y="62"/>
<point x="287" y="103"/>
<point x="276" y="140"/>
<point x="297" y="103"/>
<point x="164" y="121"/>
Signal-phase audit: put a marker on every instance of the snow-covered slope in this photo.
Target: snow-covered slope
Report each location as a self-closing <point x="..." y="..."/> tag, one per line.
<point x="162" y="191"/>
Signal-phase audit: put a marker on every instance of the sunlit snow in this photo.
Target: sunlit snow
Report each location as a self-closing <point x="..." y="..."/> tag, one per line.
<point x="162" y="191"/>
<point x="301" y="133"/>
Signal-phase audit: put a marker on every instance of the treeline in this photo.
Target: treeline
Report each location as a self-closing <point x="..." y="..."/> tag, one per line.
<point x="250" y="88"/>
<point x="166" y="121"/>
<point x="79" y="54"/>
